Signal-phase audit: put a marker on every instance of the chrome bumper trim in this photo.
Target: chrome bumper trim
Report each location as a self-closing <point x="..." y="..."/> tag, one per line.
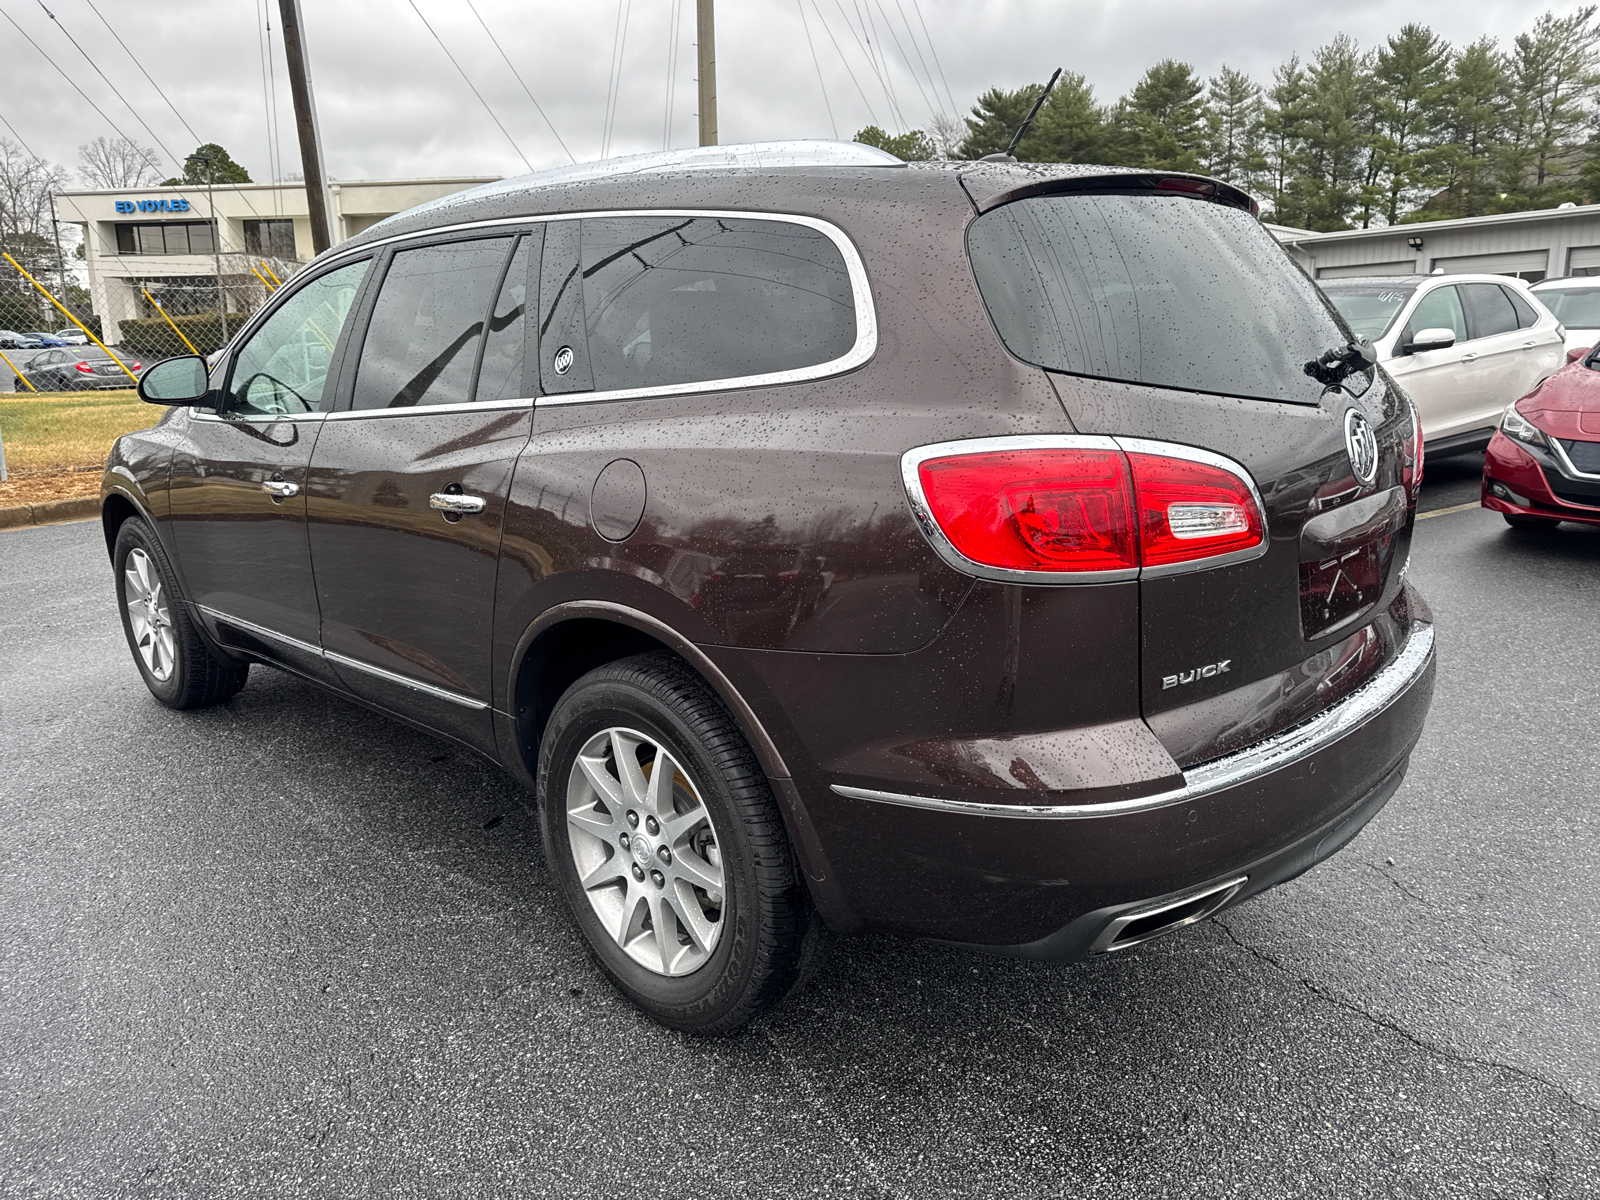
<point x="340" y="659"/>
<point x="1279" y="751"/>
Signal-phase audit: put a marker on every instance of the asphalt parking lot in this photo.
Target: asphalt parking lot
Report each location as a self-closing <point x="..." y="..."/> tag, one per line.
<point x="287" y="948"/>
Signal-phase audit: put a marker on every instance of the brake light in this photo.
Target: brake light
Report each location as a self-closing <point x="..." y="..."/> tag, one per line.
<point x="137" y="365"/>
<point x="84" y="367"/>
<point x="1412" y="453"/>
<point x="1099" y="505"/>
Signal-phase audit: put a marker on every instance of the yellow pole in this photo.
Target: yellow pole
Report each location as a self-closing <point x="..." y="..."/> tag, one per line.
<point x="16" y="372"/>
<point x="87" y="332"/>
<point x="270" y="271"/>
<point x="263" y="278"/>
<point x="156" y="304"/>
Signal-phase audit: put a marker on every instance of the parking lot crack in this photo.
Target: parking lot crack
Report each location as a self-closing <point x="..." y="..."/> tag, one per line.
<point x="1402" y="888"/>
<point x="1431" y="1048"/>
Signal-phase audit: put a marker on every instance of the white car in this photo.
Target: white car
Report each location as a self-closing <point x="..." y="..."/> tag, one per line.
<point x="72" y="337"/>
<point x="1463" y="346"/>
<point x="1575" y="301"/>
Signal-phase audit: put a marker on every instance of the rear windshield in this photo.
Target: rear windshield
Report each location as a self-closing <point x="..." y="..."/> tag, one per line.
<point x="1576" y="308"/>
<point x="1369" y="309"/>
<point x="1166" y="290"/>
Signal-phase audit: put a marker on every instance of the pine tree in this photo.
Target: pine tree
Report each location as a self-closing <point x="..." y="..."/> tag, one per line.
<point x="914" y="146"/>
<point x="209" y="163"/>
<point x="1473" y="106"/>
<point x="1283" y="125"/>
<point x="1412" y="73"/>
<point x="1070" y="128"/>
<point x="1168" y="117"/>
<point x="1554" y="70"/>
<point x="1335" y="137"/>
<point x="996" y="118"/>
<point x="1235" y="129"/>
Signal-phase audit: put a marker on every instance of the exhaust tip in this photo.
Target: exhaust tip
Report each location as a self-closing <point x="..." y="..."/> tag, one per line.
<point x="1141" y="925"/>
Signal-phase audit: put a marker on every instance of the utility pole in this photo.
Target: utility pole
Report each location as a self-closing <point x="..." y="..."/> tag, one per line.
<point x="318" y="195"/>
<point x="216" y="243"/>
<point x="706" y="48"/>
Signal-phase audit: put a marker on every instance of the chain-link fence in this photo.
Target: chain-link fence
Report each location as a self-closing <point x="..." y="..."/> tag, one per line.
<point x="63" y="329"/>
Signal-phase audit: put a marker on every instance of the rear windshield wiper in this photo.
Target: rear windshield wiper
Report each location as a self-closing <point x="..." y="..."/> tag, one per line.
<point x="1338" y="364"/>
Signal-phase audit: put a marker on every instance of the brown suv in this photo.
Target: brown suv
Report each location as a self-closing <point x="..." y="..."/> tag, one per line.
<point x="1005" y="555"/>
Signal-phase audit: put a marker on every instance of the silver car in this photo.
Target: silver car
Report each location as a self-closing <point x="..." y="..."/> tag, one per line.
<point x="1463" y="346"/>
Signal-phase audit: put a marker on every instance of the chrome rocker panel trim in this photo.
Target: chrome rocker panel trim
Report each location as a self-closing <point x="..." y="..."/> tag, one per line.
<point x="341" y="659"/>
<point x="1282" y="750"/>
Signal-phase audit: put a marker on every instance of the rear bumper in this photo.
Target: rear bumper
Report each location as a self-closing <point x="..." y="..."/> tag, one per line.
<point x="1524" y="488"/>
<point x="1045" y="880"/>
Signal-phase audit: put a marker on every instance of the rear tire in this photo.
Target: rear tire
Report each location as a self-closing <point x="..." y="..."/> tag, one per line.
<point x="631" y="856"/>
<point x="175" y="663"/>
<point x="1530" y="524"/>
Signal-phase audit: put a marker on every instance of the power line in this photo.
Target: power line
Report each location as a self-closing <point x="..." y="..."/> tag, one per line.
<point x="934" y="50"/>
<point x="866" y="49"/>
<point x="911" y="34"/>
<point x="470" y="84"/>
<point x="619" y="49"/>
<point x="675" y="23"/>
<point x="848" y="69"/>
<point x="198" y="140"/>
<point x="277" y="125"/>
<point x="804" y="24"/>
<point x="518" y="75"/>
<point x="266" y="102"/>
<point x="883" y="59"/>
<point x="65" y="76"/>
<point x="910" y="70"/>
<point x="18" y="136"/>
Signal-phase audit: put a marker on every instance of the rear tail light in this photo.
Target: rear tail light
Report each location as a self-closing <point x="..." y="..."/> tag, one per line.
<point x="1067" y="509"/>
<point x="84" y="367"/>
<point x="1411" y="456"/>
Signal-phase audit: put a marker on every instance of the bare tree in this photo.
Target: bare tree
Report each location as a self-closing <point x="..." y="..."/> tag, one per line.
<point x="27" y="228"/>
<point x="946" y="133"/>
<point x="117" y="163"/>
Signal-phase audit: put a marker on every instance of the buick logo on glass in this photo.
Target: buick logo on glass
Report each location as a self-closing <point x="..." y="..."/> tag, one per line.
<point x="1362" y="445"/>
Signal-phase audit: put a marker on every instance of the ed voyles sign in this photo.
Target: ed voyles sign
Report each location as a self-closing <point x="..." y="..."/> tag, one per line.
<point x="128" y="206"/>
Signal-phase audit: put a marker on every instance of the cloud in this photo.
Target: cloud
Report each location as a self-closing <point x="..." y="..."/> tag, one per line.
<point x="391" y="104"/>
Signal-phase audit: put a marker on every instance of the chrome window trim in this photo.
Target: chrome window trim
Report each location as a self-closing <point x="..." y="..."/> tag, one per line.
<point x="470" y="406"/>
<point x="255" y="418"/>
<point x="342" y="659"/>
<point x="911" y="479"/>
<point x="1275" y="753"/>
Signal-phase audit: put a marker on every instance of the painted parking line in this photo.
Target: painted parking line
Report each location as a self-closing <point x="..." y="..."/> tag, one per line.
<point x="1454" y="508"/>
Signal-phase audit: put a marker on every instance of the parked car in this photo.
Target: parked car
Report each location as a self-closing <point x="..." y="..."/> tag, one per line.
<point x="47" y="339"/>
<point x="73" y="370"/>
<point x="1462" y="346"/>
<point x="1543" y="463"/>
<point x="10" y="340"/>
<point x="71" y="337"/>
<point x="1575" y="302"/>
<point x="828" y="545"/>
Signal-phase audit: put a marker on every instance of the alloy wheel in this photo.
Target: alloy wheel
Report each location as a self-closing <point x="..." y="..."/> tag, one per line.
<point x="646" y="852"/>
<point x="148" y="615"/>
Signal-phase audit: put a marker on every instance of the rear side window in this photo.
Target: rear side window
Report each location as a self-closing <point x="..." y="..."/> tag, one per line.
<point x="1165" y="290"/>
<point x="1490" y="309"/>
<point x="422" y="342"/>
<point x="1439" y="309"/>
<point x="1526" y="317"/>
<point x="678" y="300"/>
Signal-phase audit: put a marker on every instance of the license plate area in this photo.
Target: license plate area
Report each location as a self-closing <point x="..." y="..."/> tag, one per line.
<point x="1339" y="589"/>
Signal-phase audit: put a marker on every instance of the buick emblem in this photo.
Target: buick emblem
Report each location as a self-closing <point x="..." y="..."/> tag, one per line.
<point x="1362" y="446"/>
<point x="563" y="362"/>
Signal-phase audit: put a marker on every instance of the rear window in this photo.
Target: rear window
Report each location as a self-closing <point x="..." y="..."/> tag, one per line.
<point x="1172" y="291"/>
<point x="677" y="300"/>
<point x="1369" y="309"/>
<point x="1576" y="308"/>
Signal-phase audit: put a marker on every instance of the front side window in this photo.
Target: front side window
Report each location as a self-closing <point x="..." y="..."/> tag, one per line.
<point x="283" y="368"/>
<point x="1439" y="309"/>
<point x="422" y="342"/>
<point x="678" y="300"/>
<point x="1168" y="290"/>
<point x="1490" y="308"/>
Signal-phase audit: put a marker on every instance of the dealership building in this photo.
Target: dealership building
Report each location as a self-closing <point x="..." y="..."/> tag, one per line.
<point x="1545" y="244"/>
<point x="167" y="246"/>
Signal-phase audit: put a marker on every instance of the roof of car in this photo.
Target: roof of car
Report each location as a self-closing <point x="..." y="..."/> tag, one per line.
<point x="1566" y="281"/>
<point x="797" y="175"/>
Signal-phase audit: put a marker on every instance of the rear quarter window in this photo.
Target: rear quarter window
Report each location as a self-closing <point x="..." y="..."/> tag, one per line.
<point x="1167" y="290"/>
<point x="680" y="300"/>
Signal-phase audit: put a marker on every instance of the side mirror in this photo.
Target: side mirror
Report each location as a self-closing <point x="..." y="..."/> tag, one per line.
<point x="175" y="381"/>
<point x="1578" y="352"/>
<point x="1433" y="339"/>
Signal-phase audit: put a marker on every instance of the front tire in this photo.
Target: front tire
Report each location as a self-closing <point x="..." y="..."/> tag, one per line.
<point x="176" y="665"/>
<point x="684" y="886"/>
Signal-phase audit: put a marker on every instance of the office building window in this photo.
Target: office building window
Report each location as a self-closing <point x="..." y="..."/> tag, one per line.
<point x="274" y="239"/>
<point x="173" y="237"/>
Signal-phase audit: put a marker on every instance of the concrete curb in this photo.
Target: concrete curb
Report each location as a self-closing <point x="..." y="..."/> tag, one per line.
<point x="50" y="512"/>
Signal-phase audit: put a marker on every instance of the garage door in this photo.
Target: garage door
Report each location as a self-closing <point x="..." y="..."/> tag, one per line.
<point x="1525" y="264"/>
<point x="1584" y="260"/>
<point x="1404" y="267"/>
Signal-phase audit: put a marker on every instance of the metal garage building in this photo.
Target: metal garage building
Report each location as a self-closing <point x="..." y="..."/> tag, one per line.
<point x="1532" y="246"/>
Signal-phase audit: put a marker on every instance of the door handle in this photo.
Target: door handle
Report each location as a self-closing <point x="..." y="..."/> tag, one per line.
<point x="455" y="504"/>
<point x="1529" y="345"/>
<point x="279" y="489"/>
<point x="1469" y="358"/>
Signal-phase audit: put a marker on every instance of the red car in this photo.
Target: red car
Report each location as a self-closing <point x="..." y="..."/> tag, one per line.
<point x="1543" y="464"/>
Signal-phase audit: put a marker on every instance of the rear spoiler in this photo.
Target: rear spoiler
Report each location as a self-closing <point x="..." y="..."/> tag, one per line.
<point x="990" y="186"/>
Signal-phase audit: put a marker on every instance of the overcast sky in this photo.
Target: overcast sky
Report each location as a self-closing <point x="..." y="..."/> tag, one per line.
<point x="392" y="106"/>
